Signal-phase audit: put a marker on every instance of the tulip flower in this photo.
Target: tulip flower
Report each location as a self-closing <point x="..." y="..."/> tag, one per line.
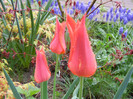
<point x="58" y="45"/>
<point x="82" y="60"/>
<point x="42" y="72"/>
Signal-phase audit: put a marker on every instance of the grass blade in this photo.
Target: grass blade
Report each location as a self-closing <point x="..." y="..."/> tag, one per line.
<point x="15" y="93"/>
<point x="124" y="84"/>
<point x="70" y="90"/>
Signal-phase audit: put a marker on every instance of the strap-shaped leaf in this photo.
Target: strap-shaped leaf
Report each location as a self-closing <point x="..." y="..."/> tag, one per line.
<point x="15" y="93"/>
<point x="75" y="82"/>
<point x="24" y="17"/>
<point x="46" y="14"/>
<point x="32" y="23"/>
<point x="124" y="84"/>
<point x="3" y="5"/>
<point x="19" y="30"/>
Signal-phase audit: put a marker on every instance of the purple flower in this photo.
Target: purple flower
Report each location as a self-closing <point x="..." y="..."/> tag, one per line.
<point x="56" y="4"/>
<point x="92" y="8"/>
<point x="129" y="17"/>
<point x="77" y="4"/>
<point x="120" y="9"/>
<point x="111" y="9"/>
<point x="82" y="8"/>
<point x="115" y="19"/>
<point x="121" y="17"/>
<point x="112" y="25"/>
<point x="111" y="16"/>
<point x="125" y="21"/>
<point x="89" y="3"/>
<point x="121" y="30"/>
<point x="125" y="33"/>
<point x="107" y="16"/>
<point x="124" y="10"/>
<point x="95" y="19"/>
<point x="91" y="16"/>
<point x="67" y="10"/>
<point x="116" y="11"/>
<point x="55" y="10"/>
<point x="52" y="3"/>
<point x="117" y="15"/>
<point x="32" y="1"/>
<point x="71" y="12"/>
<point x="73" y="8"/>
<point x="103" y="15"/>
<point x="128" y="11"/>
<point x="98" y="11"/>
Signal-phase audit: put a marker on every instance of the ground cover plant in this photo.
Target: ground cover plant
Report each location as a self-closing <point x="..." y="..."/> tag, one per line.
<point x="71" y="50"/>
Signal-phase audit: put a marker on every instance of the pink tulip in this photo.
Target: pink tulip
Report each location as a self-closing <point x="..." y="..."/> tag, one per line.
<point x="58" y="45"/>
<point x="82" y="60"/>
<point x="42" y="72"/>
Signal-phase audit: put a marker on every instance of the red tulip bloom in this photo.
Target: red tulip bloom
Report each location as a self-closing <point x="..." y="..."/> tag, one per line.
<point x="82" y="60"/>
<point x="58" y="45"/>
<point x="42" y="72"/>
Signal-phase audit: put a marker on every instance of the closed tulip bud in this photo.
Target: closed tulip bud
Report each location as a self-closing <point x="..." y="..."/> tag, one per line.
<point x="58" y="45"/>
<point x="42" y="72"/>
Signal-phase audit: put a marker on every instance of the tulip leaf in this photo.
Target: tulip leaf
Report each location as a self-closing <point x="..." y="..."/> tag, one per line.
<point x="24" y="17"/>
<point x="70" y="90"/>
<point x="46" y="14"/>
<point x="124" y="84"/>
<point x="3" y="6"/>
<point x="14" y="90"/>
<point x="19" y="30"/>
<point x="37" y="21"/>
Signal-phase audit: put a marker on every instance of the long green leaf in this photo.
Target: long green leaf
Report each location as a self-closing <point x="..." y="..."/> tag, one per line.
<point x="24" y="17"/>
<point x="32" y="22"/>
<point x="37" y="22"/>
<point x="4" y="21"/>
<point x="70" y="90"/>
<point x="45" y="14"/>
<point x="124" y="84"/>
<point x="15" y="93"/>
<point x="19" y="31"/>
<point x="3" y="6"/>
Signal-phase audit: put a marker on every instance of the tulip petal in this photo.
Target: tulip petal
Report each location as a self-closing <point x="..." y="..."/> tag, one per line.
<point x="82" y="59"/>
<point x="71" y="24"/>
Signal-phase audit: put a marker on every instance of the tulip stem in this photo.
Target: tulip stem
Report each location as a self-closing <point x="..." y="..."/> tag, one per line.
<point x="44" y="91"/>
<point x="81" y="87"/>
<point x="56" y="67"/>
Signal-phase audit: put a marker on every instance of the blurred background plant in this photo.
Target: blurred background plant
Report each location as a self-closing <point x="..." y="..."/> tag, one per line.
<point x="20" y="32"/>
<point x="25" y="25"/>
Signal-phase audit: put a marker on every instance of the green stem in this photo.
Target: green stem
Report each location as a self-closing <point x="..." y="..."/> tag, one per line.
<point x="44" y="91"/>
<point x="56" y="67"/>
<point x="81" y="87"/>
